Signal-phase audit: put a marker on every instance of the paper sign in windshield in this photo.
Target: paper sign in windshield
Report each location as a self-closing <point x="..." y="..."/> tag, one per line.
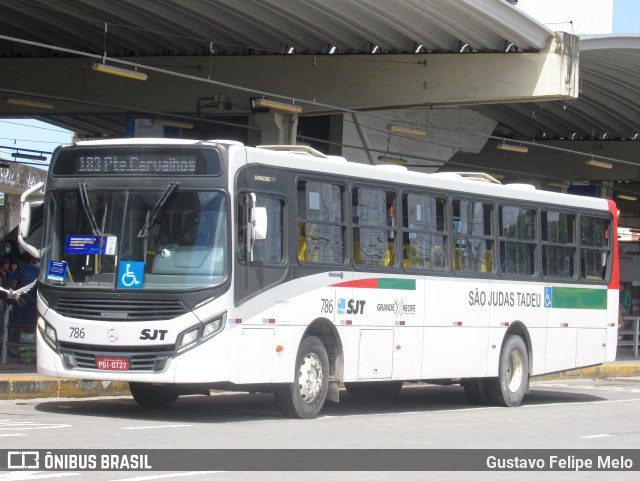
<point x="56" y="270"/>
<point x="90" y="244"/>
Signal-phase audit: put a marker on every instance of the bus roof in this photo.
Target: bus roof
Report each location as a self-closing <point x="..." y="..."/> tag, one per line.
<point x="466" y="182"/>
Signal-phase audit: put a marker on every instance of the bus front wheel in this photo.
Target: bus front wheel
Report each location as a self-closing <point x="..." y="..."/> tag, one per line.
<point x="513" y="374"/>
<point x="305" y="397"/>
<point x="154" y="396"/>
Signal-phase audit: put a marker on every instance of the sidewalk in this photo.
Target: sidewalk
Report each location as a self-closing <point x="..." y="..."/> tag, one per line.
<point x="20" y="381"/>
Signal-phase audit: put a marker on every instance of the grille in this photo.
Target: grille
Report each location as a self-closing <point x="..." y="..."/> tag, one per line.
<point x="120" y="309"/>
<point x="140" y="359"/>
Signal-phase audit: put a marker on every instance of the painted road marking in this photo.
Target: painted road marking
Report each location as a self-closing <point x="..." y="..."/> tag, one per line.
<point x="26" y="425"/>
<point x="160" y="427"/>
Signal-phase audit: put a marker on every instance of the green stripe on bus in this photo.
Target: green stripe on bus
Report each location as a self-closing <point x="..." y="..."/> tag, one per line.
<point x="577" y="298"/>
<point x="403" y="284"/>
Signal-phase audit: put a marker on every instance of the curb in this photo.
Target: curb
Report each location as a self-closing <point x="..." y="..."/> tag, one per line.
<point x="604" y="371"/>
<point x="32" y="387"/>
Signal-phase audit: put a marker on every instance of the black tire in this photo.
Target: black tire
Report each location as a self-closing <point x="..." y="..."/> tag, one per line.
<point x="154" y="396"/>
<point x="374" y="390"/>
<point x="305" y="397"/>
<point x="509" y="388"/>
<point x="475" y="390"/>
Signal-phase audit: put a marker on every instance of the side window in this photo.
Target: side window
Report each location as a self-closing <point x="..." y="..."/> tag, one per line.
<point x="558" y="244"/>
<point x="517" y="240"/>
<point x="271" y="249"/>
<point x="373" y="227"/>
<point x="424" y="239"/>
<point x="321" y="223"/>
<point x="595" y="247"/>
<point x="472" y="236"/>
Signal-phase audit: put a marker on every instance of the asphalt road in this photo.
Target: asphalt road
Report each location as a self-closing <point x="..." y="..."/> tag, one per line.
<point x="593" y="414"/>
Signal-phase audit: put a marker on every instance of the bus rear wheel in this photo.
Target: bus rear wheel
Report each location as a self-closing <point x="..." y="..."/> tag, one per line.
<point x="305" y="397"/>
<point x="154" y="396"/>
<point x="509" y="388"/>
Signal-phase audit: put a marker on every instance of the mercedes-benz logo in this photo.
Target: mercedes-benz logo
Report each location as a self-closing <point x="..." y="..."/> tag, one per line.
<point x="112" y="335"/>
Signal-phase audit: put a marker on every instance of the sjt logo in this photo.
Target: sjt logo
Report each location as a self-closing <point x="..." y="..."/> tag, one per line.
<point x="149" y="335"/>
<point x="351" y="306"/>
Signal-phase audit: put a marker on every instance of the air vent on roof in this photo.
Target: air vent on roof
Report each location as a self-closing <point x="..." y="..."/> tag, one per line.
<point x="295" y="149"/>
<point x="392" y="167"/>
<point x="521" y="186"/>
<point x="478" y="176"/>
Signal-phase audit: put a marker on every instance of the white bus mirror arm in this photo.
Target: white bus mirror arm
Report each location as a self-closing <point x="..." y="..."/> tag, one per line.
<point x="25" y="220"/>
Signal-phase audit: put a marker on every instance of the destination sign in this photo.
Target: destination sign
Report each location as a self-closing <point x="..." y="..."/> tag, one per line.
<point x="134" y="164"/>
<point x="138" y="161"/>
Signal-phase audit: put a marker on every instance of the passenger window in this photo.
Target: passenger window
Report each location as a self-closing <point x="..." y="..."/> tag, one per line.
<point x="472" y="236"/>
<point x="374" y="227"/>
<point x="517" y="240"/>
<point x="424" y="240"/>
<point x="595" y="250"/>
<point x="558" y="244"/>
<point x="321" y="223"/>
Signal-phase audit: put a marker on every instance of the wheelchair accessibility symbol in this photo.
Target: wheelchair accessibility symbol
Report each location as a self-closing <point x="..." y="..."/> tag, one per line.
<point x="548" y="297"/>
<point x="131" y="275"/>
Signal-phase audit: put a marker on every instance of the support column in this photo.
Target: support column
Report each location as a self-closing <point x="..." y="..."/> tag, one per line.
<point x="277" y="128"/>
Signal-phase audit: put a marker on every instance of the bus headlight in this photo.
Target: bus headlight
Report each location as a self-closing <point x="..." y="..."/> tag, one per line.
<point x="199" y="334"/>
<point x="48" y="333"/>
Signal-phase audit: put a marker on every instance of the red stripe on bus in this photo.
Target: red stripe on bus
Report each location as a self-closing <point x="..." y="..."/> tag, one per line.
<point x="615" y="270"/>
<point x="361" y="283"/>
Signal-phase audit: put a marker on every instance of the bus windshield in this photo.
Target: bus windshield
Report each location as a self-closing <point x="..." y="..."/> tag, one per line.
<point x="162" y="239"/>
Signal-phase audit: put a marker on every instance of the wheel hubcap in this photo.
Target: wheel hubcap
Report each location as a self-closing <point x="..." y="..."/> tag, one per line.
<point x="515" y="371"/>
<point x="310" y="378"/>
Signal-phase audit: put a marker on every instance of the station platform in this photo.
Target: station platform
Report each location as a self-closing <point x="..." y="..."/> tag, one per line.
<point x="21" y="381"/>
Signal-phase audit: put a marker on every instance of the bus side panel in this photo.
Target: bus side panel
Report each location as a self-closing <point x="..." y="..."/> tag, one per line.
<point x="456" y="328"/>
<point x="576" y="327"/>
<point x="612" y="325"/>
<point x="517" y="302"/>
<point x="394" y="305"/>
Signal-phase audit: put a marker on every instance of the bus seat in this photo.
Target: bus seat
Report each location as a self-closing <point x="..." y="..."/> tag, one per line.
<point x="389" y="255"/>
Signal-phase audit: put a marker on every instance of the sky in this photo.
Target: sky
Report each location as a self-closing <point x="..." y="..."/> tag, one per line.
<point x="43" y="137"/>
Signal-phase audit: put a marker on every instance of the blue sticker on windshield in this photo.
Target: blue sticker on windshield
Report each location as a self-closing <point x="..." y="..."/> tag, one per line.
<point x="131" y="275"/>
<point x="56" y="270"/>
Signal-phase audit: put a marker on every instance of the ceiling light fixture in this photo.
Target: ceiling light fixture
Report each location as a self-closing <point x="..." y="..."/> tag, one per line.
<point x="513" y="148"/>
<point x="391" y="160"/>
<point x="172" y="123"/>
<point x="599" y="163"/>
<point x="626" y="197"/>
<point x="402" y="130"/>
<point x="20" y="155"/>
<point x="120" y="72"/>
<point x="28" y="103"/>
<point x="272" y="104"/>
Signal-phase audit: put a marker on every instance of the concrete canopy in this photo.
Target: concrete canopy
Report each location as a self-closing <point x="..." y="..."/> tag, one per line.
<point x="386" y="55"/>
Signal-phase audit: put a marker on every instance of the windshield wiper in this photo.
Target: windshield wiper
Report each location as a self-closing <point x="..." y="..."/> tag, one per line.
<point x="153" y="213"/>
<point x="84" y="198"/>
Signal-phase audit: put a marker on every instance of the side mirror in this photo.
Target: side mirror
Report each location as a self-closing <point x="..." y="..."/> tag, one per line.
<point x="259" y="223"/>
<point x="25" y="220"/>
<point x="256" y="227"/>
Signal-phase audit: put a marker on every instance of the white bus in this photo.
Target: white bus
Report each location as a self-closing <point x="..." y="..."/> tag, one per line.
<point x="181" y="265"/>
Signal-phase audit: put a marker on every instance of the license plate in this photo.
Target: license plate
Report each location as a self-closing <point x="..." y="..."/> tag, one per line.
<point x="112" y="363"/>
